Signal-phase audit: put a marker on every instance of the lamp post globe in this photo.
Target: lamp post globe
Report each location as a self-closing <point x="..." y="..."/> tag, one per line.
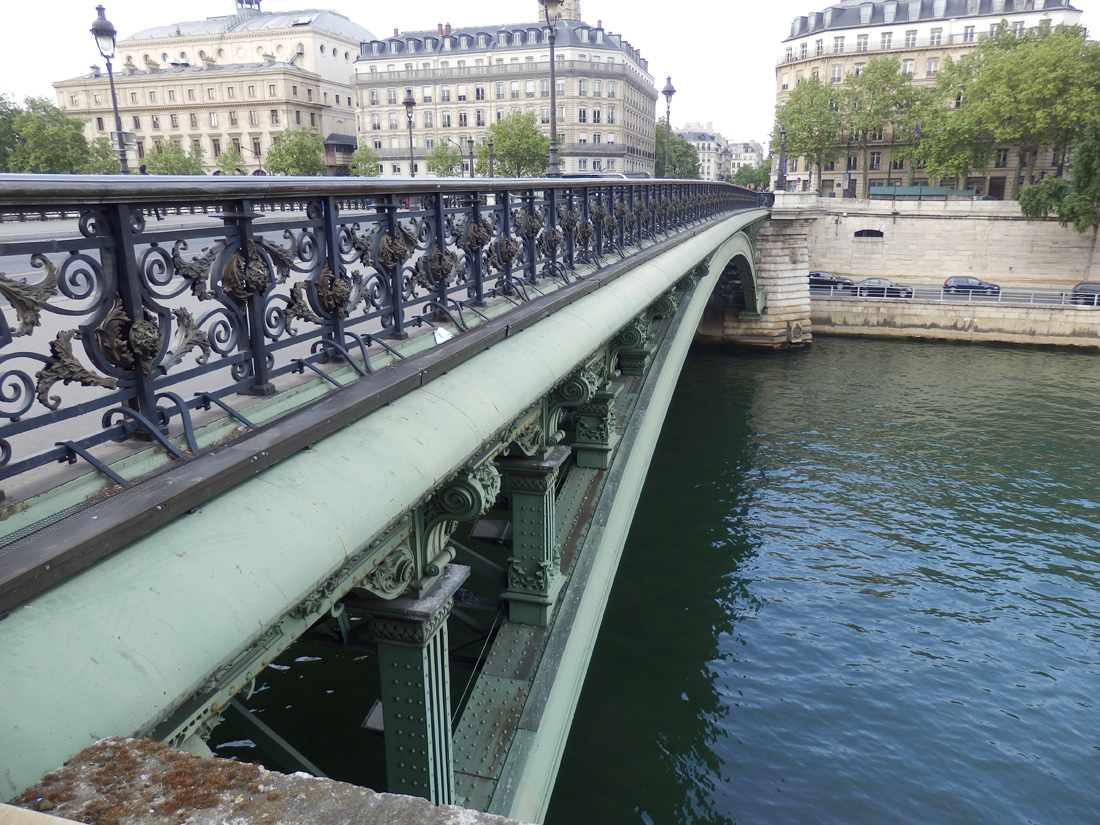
<point x="551" y="11"/>
<point x="668" y="91"/>
<point x="410" y="103"/>
<point x="105" y="34"/>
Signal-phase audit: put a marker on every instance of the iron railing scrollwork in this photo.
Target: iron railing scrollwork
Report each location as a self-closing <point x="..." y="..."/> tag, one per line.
<point x="161" y="300"/>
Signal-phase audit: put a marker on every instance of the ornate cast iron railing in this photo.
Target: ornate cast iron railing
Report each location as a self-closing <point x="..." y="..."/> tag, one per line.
<point x="168" y="295"/>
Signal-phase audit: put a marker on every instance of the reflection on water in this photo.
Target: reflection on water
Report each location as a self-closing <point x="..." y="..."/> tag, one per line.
<point x="861" y="588"/>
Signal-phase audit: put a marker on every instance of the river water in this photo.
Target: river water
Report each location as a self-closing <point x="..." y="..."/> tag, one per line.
<point x="863" y="586"/>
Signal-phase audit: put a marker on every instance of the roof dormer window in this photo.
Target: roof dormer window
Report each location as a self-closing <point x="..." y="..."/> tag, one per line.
<point x="889" y="11"/>
<point x="865" y="10"/>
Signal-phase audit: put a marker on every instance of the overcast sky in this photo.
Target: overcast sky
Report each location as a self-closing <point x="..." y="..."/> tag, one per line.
<point x="721" y="56"/>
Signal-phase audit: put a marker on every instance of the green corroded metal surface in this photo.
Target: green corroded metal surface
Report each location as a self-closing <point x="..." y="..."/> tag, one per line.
<point x="154" y="637"/>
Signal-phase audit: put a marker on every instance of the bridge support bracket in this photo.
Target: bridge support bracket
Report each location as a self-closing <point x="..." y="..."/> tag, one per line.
<point x="416" y="688"/>
<point x="596" y="431"/>
<point x="534" y="569"/>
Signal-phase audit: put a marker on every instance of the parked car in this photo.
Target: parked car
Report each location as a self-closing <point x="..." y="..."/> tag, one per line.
<point x="883" y="288"/>
<point x="964" y="283"/>
<point x="829" y="280"/>
<point x="1086" y="292"/>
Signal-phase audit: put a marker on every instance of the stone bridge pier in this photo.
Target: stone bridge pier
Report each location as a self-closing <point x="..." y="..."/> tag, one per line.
<point x="762" y="298"/>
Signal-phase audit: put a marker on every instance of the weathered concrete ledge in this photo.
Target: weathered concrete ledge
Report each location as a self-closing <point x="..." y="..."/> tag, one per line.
<point x="141" y="782"/>
<point x="992" y="323"/>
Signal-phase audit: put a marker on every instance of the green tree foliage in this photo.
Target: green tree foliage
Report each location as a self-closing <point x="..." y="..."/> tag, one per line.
<point x="814" y="123"/>
<point x="757" y="176"/>
<point x="46" y="139"/>
<point x="102" y="158"/>
<point x="169" y="158"/>
<point x="446" y="161"/>
<point x="297" y="152"/>
<point x="364" y="162"/>
<point x="519" y="149"/>
<point x="683" y="160"/>
<point x="878" y="98"/>
<point x="1078" y="206"/>
<point x="1035" y="89"/>
<point x="8" y="111"/>
<point x="230" y="160"/>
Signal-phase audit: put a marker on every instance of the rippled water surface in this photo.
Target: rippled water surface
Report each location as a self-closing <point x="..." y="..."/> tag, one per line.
<point x="863" y="586"/>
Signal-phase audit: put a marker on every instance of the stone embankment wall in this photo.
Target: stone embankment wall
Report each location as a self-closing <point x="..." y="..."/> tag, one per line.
<point x="927" y="241"/>
<point x="992" y="323"/>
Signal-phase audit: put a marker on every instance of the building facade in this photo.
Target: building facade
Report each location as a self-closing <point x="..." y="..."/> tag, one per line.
<point x="237" y="80"/>
<point x="750" y="154"/>
<point x="711" y="147"/>
<point x="465" y="79"/>
<point x="920" y="34"/>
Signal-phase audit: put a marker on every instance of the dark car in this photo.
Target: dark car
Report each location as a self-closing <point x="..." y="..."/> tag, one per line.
<point x="1086" y="292"/>
<point x="828" y="280"/>
<point x="964" y="283"/>
<point x="883" y="288"/>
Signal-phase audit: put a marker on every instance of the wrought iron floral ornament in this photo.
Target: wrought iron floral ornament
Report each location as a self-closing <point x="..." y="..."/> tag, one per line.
<point x="64" y="366"/>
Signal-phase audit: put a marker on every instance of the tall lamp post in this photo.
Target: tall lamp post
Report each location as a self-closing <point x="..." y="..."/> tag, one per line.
<point x="104" y="34"/>
<point x="491" y="158"/>
<point x="781" y="175"/>
<point x="552" y="9"/>
<point x="409" y="103"/>
<point x="470" y="146"/>
<point x="668" y="91"/>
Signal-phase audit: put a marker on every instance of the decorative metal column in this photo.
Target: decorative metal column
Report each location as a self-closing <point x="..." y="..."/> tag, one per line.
<point x="416" y="688"/>
<point x="551" y="9"/>
<point x="491" y="158"/>
<point x="470" y="146"/>
<point x="596" y="434"/>
<point x="668" y="91"/>
<point x="534" y="569"/>
<point x="105" y="34"/>
<point x="410" y="103"/>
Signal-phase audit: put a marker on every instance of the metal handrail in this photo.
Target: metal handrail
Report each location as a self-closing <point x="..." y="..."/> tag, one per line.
<point x="247" y="282"/>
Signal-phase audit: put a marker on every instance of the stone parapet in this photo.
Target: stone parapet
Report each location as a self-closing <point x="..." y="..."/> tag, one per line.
<point x="138" y="781"/>
<point x="990" y="323"/>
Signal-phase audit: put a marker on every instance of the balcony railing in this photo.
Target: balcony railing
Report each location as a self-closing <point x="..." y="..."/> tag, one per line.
<point x="133" y="306"/>
<point x="871" y="47"/>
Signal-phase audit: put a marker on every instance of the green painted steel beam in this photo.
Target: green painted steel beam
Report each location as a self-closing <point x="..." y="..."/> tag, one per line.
<point x="124" y="645"/>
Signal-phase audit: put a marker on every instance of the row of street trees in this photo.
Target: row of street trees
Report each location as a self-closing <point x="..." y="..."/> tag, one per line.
<point x="1037" y="90"/>
<point x="40" y="137"/>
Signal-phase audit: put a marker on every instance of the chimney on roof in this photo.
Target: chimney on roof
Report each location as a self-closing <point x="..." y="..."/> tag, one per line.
<point x="599" y="24"/>
<point x="95" y="71"/>
<point x="448" y="29"/>
<point x="395" y="32"/>
<point x="269" y="60"/>
<point x="439" y="29"/>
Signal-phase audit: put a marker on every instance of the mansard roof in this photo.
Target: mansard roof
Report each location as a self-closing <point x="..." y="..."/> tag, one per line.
<point x="847" y="14"/>
<point x="516" y="36"/>
<point x="319" y="20"/>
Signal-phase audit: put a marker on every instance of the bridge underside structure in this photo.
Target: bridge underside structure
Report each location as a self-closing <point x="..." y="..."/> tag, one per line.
<point x="481" y="486"/>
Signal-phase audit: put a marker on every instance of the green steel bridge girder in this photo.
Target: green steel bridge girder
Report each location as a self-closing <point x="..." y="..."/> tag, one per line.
<point x="158" y="636"/>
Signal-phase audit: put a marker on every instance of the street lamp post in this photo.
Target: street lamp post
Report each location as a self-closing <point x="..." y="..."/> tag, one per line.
<point x="470" y="146"/>
<point x="781" y="175"/>
<point x="104" y="34"/>
<point x="668" y="91"/>
<point x="491" y="158"/>
<point x="551" y="9"/>
<point x="410" y="104"/>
